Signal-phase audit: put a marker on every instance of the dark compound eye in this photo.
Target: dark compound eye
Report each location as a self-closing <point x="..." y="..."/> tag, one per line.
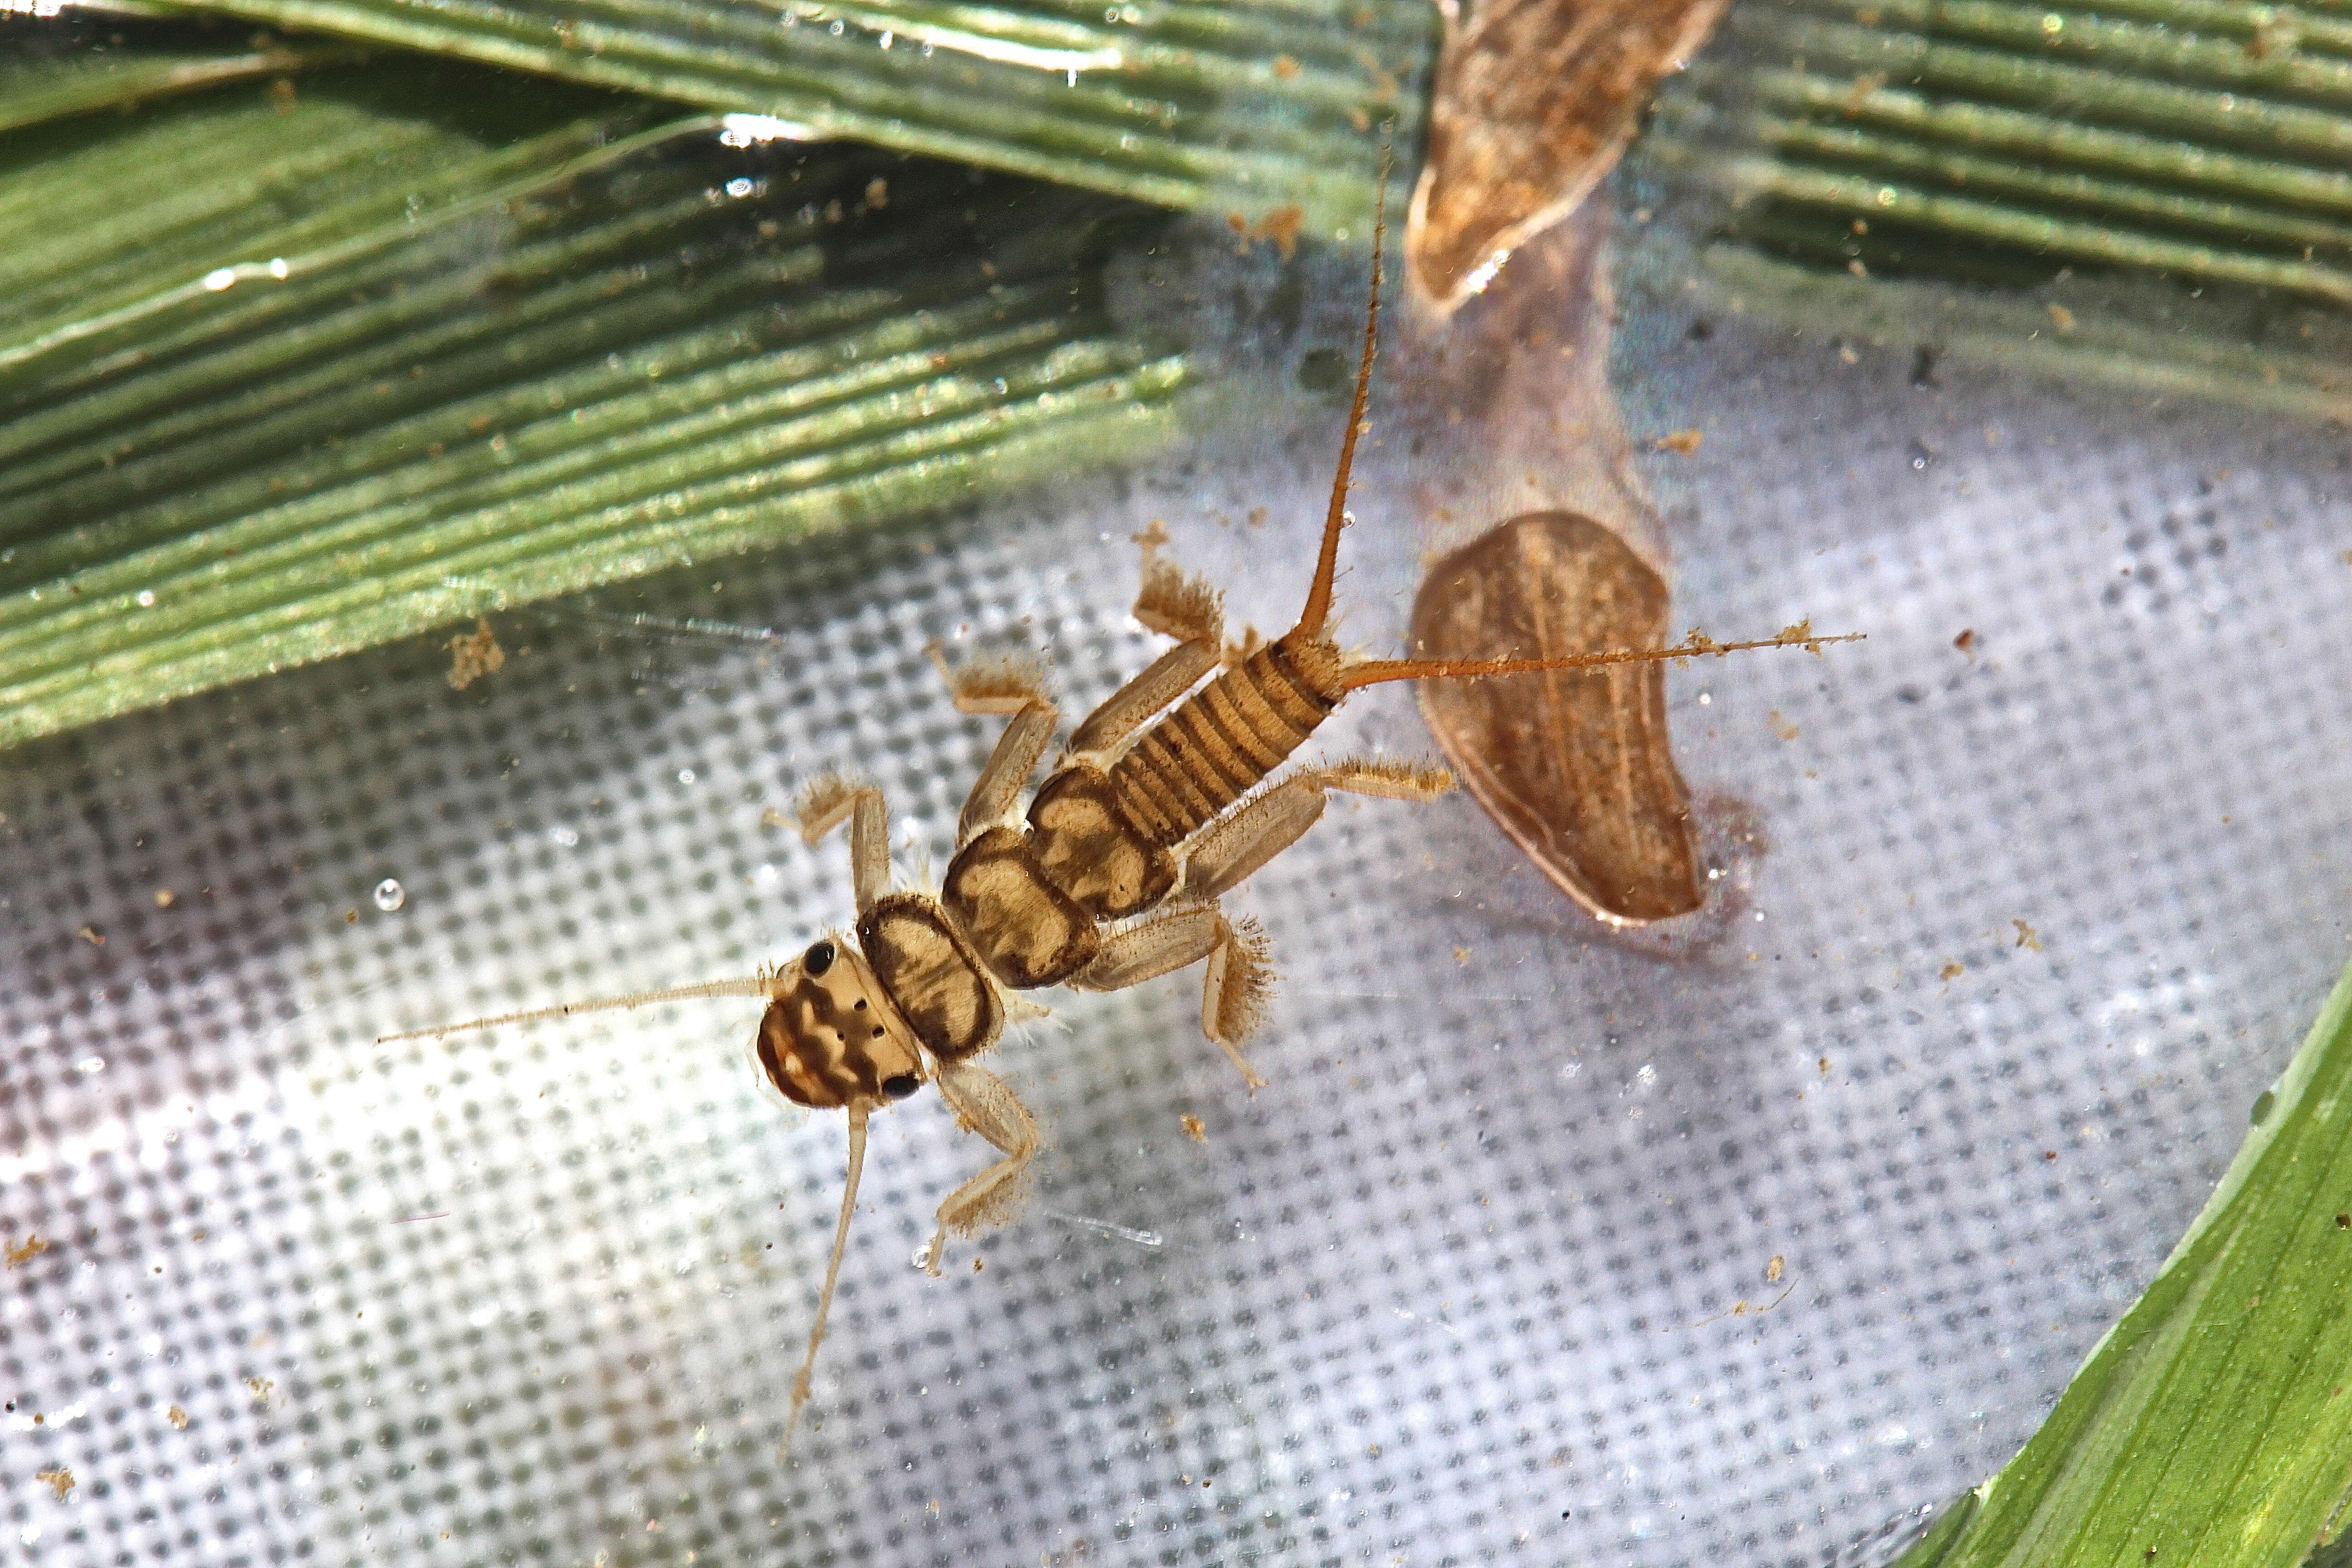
<point x="900" y="1086"/>
<point x="817" y="960"/>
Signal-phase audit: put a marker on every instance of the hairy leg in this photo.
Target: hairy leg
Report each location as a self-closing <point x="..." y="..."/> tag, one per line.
<point x="985" y="1106"/>
<point x="1173" y="604"/>
<point x="1232" y="993"/>
<point x="1226" y="853"/>
<point x="822" y="805"/>
<point x="1005" y="686"/>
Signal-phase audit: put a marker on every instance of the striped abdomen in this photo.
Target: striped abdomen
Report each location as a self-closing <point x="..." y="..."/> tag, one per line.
<point x="1220" y="742"/>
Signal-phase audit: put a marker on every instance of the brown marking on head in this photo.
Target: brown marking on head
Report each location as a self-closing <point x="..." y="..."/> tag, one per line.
<point x="831" y="1037"/>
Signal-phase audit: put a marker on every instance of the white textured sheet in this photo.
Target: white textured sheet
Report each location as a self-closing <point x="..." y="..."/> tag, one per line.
<point x="1483" y="1272"/>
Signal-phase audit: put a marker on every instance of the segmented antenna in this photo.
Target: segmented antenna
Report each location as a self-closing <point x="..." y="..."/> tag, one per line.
<point x="1326" y="565"/>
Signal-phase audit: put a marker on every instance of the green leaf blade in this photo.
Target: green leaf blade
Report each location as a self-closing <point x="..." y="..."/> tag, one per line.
<point x="2212" y="1426"/>
<point x="595" y="347"/>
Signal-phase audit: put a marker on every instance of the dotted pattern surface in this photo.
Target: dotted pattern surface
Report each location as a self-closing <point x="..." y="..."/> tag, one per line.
<point x="1542" y="1245"/>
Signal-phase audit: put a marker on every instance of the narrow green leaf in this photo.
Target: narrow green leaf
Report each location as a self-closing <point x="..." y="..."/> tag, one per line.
<point x="31" y="92"/>
<point x="2212" y="1426"/>
<point x="1249" y="108"/>
<point x="2156" y="190"/>
<point x="471" y="368"/>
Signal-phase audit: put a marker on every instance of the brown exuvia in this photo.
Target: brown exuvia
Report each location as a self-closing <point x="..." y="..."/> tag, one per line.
<point x="1574" y="764"/>
<point x="1112" y="878"/>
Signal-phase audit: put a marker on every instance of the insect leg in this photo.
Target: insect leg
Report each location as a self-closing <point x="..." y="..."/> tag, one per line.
<point x="832" y="1270"/>
<point x="822" y="805"/>
<point x="1225" y="855"/>
<point x="997" y="792"/>
<point x="1001" y="685"/>
<point x="1234" y="993"/>
<point x="1014" y="686"/>
<point x="1173" y="604"/>
<point x="1169" y="678"/>
<point x="985" y="1106"/>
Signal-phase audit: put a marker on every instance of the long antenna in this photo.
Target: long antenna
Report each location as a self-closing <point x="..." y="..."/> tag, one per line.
<point x="1327" y="566"/>
<point x="1372" y="672"/>
<point x="832" y="1270"/>
<point x="757" y="985"/>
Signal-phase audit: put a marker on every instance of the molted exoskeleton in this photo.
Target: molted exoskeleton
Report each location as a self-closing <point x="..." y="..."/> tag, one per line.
<point x="832" y="1037"/>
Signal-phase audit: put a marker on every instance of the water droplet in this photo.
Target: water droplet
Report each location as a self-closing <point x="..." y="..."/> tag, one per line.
<point x="90" y="1065"/>
<point x="923" y="1256"/>
<point x="685" y="776"/>
<point x="390" y="895"/>
<point x="146" y="598"/>
<point x="567" y="837"/>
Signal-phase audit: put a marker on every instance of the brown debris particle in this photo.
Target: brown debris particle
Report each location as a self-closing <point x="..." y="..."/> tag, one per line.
<point x="1281" y="225"/>
<point x="1194" y="1128"/>
<point x="1684" y="442"/>
<point x="1782" y="728"/>
<point x="281" y="95"/>
<point x="1285" y="68"/>
<point x="1966" y="641"/>
<point x="771" y="817"/>
<point x="1772" y="1269"/>
<point x="177" y="1417"/>
<point x="92" y="935"/>
<point x="166" y="897"/>
<point x="2026" y="936"/>
<point x="1953" y="971"/>
<point x="33" y="1247"/>
<point x="2063" y="317"/>
<point x="1857" y="93"/>
<point x="473" y="655"/>
<point x="60" y="1479"/>
<point x="877" y="193"/>
<point x="262" y="1388"/>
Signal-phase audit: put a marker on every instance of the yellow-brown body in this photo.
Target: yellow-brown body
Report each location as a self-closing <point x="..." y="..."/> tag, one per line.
<point x="1103" y="842"/>
<point x="1158" y="802"/>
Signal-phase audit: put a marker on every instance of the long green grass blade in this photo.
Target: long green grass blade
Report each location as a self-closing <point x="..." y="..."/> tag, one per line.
<point x="1249" y="108"/>
<point x="2211" y="1428"/>
<point x="450" y="368"/>
<point x="2158" y="188"/>
<point x="33" y="91"/>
